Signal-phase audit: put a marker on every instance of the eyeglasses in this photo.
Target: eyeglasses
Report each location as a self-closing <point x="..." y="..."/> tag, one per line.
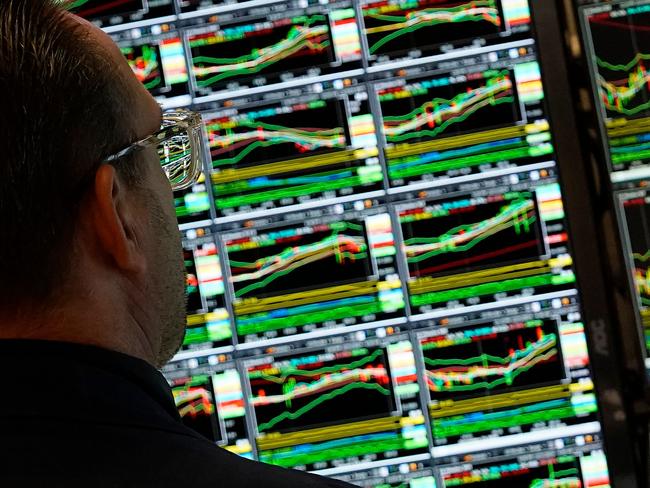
<point x="178" y="143"/>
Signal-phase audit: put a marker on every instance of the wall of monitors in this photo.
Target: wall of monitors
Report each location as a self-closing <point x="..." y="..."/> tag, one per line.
<point x="381" y="286"/>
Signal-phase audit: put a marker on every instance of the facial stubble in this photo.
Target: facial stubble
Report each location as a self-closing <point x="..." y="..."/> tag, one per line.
<point x="168" y="283"/>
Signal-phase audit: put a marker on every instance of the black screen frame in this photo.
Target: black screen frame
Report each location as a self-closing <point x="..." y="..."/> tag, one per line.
<point x="588" y="252"/>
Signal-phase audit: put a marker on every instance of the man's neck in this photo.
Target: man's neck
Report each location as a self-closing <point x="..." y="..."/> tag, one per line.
<point x="79" y="324"/>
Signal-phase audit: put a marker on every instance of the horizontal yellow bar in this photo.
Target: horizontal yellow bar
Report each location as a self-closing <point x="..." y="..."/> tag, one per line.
<point x="299" y="164"/>
<point x="430" y="283"/>
<point x="313" y="296"/>
<point x="277" y="441"/>
<point x="449" y="408"/>
<point x="402" y="150"/>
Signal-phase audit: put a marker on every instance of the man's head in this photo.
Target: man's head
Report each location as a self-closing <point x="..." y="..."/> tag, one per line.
<point x="89" y="252"/>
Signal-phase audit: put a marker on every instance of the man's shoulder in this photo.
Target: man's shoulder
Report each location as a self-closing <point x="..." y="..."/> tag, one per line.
<point x="243" y="472"/>
<point x="74" y="454"/>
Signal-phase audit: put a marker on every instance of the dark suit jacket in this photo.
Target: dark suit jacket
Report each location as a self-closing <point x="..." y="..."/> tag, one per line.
<point x="81" y="416"/>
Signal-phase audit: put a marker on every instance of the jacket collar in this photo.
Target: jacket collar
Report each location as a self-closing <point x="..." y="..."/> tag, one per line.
<point x="82" y="382"/>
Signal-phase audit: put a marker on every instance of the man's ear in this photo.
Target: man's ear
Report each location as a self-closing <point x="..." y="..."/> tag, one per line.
<point x="114" y="220"/>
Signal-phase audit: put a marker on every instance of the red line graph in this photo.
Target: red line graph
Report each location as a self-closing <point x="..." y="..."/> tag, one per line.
<point x="474" y="259"/>
<point x="618" y="25"/>
<point x="101" y="8"/>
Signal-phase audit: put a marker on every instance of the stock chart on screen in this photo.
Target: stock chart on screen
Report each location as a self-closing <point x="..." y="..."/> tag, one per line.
<point x="507" y="242"/>
<point x="379" y="272"/>
<point x="273" y="152"/>
<point x="353" y="397"/>
<point x="407" y="29"/>
<point x="465" y="120"/>
<point x="246" y="50"/>
<point x="505" y="379"/>
<point x="209" y="395"/>
<point x="619" y="45"/>
<point x="634" y="208"/>
<point x="337" y="269"/>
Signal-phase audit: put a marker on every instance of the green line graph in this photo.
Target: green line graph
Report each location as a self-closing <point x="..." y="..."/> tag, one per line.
<point x="519" y="215"/>
<point x="294" y="188"/>
<point x="546" y="279"/>
<point x="617" y="95"/>
<point x="458" y="374"/>
<point x="320" y="453"/>
<point x="623" y="67"/>
<point x="560" y="478"/>
<point x="437" y="115"/>
<point x="397" y="26"/>
<point x="321" y="399"/>
<point x="288" y="390"/>
<point x="311" y="36"/>
<point x="341" y="246"/>
<point x="256" y="324"/>
<point x="259" y="135"/>
<point x="291" y="371"/>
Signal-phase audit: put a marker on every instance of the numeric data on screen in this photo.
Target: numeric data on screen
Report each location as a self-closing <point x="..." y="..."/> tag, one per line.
<point x="207" y="318"/>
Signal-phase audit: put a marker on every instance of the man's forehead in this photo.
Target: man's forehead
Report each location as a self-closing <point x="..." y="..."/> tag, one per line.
<point x="95" y="34"/>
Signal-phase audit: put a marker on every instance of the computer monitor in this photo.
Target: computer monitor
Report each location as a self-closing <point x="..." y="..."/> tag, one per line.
<point x="381" y="275"/>
<point x="616" y="46"/>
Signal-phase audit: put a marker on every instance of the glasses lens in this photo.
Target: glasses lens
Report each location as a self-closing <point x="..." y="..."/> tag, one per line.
<point x="179" y="159"/>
